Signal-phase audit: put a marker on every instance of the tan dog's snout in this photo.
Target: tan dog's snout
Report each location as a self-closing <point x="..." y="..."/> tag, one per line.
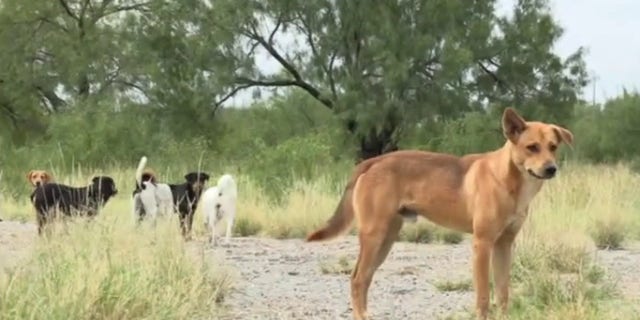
<point x="550" y="170"/>
<point x="547" y="171"/>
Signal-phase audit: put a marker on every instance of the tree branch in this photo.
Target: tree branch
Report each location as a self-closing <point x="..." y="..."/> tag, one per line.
<point x="132" y="85"/>
<point x="494" y="76"/>
<point x="13" y="116"/>
<point x="332" y="82"/>
<point x="228" y="96"/>
<point x="53" y="23"/>
<point x="137" y="6"/>
<point x="328" y="70"/>
<point x="288" y="83"/>
<point x="67" y="9"/>
<point x="298" y="81"/>
<point x="275" y="29"/>
<point x="53" y="99"/>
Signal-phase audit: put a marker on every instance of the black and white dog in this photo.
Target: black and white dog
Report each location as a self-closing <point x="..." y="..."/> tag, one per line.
<point x="155" y="198"/>
<point x="72" y="201"/>
<point x="150" y="198"/>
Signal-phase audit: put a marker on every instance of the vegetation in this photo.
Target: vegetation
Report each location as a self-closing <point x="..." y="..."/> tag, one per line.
<point x="88" y="87"/>
<point x="105" y="271"/>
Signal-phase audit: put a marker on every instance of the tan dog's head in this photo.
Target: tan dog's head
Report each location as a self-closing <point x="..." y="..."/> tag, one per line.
<point x="38" y="177"/>
<point x="534" y="144"/>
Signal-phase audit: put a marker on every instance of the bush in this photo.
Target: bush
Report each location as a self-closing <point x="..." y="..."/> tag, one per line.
<point x="609" y="234"/>
<point x="246" y="227"/>
<point x="419" y="232"/>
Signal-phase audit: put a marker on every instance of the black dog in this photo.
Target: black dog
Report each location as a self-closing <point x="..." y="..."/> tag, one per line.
<point x="72" y="200"/>
<point x="186" y="197"/>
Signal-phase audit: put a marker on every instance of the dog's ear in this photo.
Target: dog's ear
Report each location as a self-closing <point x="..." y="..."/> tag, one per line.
<point x="47" y="176"/>
<point x="512" y="124"/>
<point x="29" y="174"/>
<point x="563" y="134"/>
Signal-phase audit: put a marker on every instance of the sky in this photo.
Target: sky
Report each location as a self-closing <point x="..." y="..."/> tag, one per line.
<point x="607" y="29"/>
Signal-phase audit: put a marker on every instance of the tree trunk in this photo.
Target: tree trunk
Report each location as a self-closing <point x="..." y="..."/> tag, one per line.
<point x="374" y="143"/>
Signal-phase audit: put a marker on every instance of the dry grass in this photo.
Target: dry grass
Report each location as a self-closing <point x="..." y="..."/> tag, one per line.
<point x="460" y="285"/>
<point x="107" y="270"/>
<point x="554" y="278"/>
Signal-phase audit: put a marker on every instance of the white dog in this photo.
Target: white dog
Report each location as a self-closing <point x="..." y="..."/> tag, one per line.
<point x="219" y="202"/>
<point x="150" y="198"/>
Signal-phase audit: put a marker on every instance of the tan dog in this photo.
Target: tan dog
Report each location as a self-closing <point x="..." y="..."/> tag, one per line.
<point x="485" y="194"/>
<point x="39" y="177"/>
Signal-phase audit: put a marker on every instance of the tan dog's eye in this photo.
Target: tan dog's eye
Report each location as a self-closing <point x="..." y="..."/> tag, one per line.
<point x="553" y="147"/>
<point x="533" y="148"/>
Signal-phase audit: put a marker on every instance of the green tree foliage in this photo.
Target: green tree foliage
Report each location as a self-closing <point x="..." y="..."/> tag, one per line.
<point x="611" y="132"/>
<point x="382" y="65"/>
<point x="101" y="82"/>
<point x="59" y="53"/>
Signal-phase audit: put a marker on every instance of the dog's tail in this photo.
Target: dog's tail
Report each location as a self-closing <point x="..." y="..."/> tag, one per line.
<point x="343" y="216"/>
<point x="140" y="169"/>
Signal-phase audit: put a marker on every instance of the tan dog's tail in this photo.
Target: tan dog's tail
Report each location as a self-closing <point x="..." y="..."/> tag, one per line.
<point x="140" y="169"/>
<point x="343" y="216"/>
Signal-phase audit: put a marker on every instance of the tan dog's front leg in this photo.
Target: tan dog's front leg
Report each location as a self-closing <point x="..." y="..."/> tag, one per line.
<point x="502" y="252"/>
<point x="481" y="255"/>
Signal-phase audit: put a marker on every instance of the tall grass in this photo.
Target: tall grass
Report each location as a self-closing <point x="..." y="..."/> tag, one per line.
<point x="105" y="268"/>
<point x="109" y="269"/>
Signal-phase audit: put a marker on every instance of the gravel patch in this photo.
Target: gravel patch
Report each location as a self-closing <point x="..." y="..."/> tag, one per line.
<point x="283" y="279"/>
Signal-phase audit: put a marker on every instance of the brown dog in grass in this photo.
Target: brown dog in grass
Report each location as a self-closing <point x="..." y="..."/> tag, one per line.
<point x="486" y="195"/>
<point x="39" y="177"/>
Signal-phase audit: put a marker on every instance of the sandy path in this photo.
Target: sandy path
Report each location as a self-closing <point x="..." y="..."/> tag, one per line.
<point x="283" y="279"/>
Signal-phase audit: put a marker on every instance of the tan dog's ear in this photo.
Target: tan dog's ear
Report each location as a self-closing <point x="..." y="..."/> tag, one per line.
<point x="563" y="134"/>
<point x="29" y="175"/>
<point x="512" y="124"/>
<point x="47" y="177"/>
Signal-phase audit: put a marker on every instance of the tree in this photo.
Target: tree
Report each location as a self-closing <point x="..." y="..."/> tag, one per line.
<point x="59" y="52"/>
<point x="381" y="65"/>
<point x="181" y="55"/>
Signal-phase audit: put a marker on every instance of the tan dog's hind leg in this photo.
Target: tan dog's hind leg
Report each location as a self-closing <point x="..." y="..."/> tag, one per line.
<point x="375" y="245"/>
<point x="379" y="225"/>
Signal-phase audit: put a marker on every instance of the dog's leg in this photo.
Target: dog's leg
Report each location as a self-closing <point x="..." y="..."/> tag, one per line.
<point x="481" y="255"/>
<point x="41" y="218"/>
<point x="134" y="209"/>
<point x="189" y="224"/>
<point x="185" y="225"/>
<point x="230" y="219"/>
<point x="213" y="237"/>
<point x="501" y="260"/>
<point x="375" y="245"/>
<point x="153" y="214"/>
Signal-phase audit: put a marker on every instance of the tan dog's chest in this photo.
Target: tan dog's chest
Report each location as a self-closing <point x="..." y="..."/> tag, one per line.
<point x="523" y="197"/>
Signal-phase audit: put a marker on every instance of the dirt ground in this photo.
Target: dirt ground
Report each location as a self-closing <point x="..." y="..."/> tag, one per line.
<point x="284" y="279"/>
